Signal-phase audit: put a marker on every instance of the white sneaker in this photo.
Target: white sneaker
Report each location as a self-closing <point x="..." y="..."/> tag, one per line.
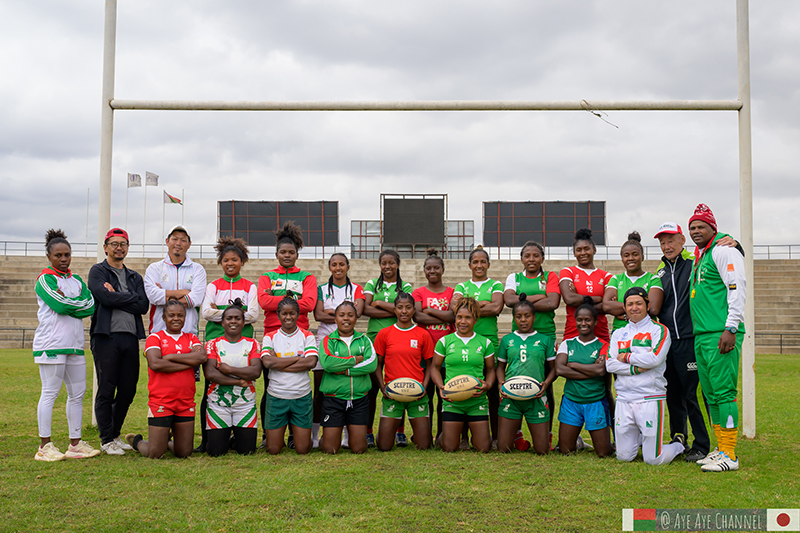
<point x="122" y="445"/>
<point x="710" y="458"/>
<point x="48" y="452"/>
<point x="345" y="438"/>
<point x="722" y="464"/>
<point x="82" y="450"/>
<point x="580" y="444"/>
<point x="112" y="448"/>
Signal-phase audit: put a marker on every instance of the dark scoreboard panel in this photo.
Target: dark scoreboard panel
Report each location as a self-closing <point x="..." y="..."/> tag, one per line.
<point x="511" y="224"/>
<point x="413" y="221"/>
<point x="256" y="222"/>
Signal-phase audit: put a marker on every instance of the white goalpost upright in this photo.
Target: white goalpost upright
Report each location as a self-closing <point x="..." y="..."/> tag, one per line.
<point x="741" y="105"/>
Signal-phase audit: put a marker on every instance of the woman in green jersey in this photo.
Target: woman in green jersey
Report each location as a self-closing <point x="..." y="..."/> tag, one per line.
<point x="465" y="352"/>
<point x="379" y="296"/>
<point x="581" y="360"/>
<point x="525" y="352"/>
<point x="632" y="254"/>
<point x="489" y="295"/>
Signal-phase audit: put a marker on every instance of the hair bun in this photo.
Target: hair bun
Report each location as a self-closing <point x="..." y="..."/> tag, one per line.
<point x="634" y="236"/>
<point x="523" y="297"/>
<point x="583" y="234"/>
<point x="432" y="252"/>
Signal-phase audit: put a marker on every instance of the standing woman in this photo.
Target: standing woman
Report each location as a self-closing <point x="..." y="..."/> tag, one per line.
<point x="632" y="254"/>
<point x="489" y="295"/>
<point x="286" y="280"/>
<point x="64" y="301"/>
<point x="329" y="295"/>
<point x="379" y="307"/>
<point x="433" y="313"/>
<point x="171" y="357"/>
<point x="541" y="290"/>
<point x="232" y="367"/>
<point x="465" y="352"/>
<point x="232" y="254"/>
<point x="583" y="283"/>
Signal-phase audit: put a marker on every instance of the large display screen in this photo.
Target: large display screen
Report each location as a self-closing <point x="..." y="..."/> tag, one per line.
<point x="511" y="224"/>
<point x="256" y="222"/>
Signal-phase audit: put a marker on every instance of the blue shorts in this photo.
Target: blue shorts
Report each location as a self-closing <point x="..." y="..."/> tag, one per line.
<point x="594" y="415"/>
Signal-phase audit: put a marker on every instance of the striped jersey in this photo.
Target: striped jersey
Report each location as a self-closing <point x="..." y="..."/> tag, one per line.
<point x="236" y="355"/>
<point x="640" y="376"/>
<point x="299" y="343"/>
<point x="60" y="330"/>
<point x="221" y="292"/>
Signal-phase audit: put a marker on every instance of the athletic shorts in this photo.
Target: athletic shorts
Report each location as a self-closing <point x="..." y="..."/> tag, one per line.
<point x="228" y="416"/>
<point x="338" y="413"/>
<point x="460" y="417"/>
<point x="167" y="421"/>
<point x="535" y="411"/>
<point x="281" y="412"/>
<point x="594" y="415"/>
<point x="473" y="407"/>
<point x="177" y="408"/>
<point x="394" y="409"/>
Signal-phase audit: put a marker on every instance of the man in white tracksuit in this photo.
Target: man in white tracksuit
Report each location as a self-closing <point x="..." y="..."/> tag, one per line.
<point x="638" y="355"/>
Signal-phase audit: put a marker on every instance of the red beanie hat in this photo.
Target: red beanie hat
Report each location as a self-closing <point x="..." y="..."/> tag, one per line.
<point x="703" y="213"/>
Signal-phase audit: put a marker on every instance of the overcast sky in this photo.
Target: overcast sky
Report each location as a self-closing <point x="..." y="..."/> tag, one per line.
<point x="655" y="166"/>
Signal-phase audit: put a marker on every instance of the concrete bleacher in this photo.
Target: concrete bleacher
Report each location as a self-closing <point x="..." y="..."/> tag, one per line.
<point x="777" y="291"/>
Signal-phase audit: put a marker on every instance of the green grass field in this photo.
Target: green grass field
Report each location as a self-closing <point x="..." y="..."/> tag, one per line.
<point x="402" y="490"/>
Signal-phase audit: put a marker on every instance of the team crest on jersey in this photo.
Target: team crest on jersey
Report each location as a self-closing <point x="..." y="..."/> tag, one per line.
<point x="571" y="353"/>
<point x="189" y="278"/>
<point x="414" y="343"/>
<point x="542" y="285"/>
<point x="480" y="349"/>
<point x="536" y="343"/>
<point x="464" y="351"/>
<point x="594" y="354"/>
<point x="511" y="342"/>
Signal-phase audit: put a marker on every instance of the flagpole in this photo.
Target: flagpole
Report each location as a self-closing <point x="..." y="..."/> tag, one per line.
<point x="144" y="221"/>
<point x="86" y="244"/>
<point x="183" y="204"/>
<point x="127" y="188"/>
<point x="163" y="209"/>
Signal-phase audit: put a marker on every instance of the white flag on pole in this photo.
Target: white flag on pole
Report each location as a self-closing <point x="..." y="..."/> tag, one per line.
<point x="134" y="180"/>
<point x="151" y="179"/>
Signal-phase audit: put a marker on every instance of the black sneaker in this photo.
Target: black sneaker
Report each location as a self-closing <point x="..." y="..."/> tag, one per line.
<point x="290" y="442"/>
<point x="694" y="455"/>
<point x="200" y="449"/>
<point x="401" y="440"/>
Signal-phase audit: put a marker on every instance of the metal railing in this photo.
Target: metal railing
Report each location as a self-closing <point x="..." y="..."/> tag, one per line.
<point x="206" y="251"/>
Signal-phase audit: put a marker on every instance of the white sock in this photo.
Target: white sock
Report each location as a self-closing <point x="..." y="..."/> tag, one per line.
<point x="315" y="431"/>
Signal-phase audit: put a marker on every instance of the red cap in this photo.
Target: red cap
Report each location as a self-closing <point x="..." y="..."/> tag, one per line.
<point x="118" y="232"/>
<point x="703" y="213"/>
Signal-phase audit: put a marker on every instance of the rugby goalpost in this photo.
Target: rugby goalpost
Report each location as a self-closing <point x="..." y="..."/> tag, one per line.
<point x="741" y="105"/>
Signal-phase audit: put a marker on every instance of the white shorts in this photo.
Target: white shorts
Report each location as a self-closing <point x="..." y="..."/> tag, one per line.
<point x="237" y="415"/>
<point x="60" y="359"/>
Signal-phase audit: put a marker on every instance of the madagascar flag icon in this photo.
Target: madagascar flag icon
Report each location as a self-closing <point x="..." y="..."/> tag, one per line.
<point x="638" y="520"/>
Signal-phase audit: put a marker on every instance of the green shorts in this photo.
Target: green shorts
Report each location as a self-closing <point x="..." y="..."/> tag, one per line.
<point x="280" y="412"/>
<point x="473" y="407"/>
<point x="394" y="409"/>
<point x="535" y="411"/>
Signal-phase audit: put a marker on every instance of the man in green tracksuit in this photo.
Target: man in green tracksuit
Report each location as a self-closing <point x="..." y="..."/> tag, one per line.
<point x="717" y="301"/>
<point x="347" y="361"/>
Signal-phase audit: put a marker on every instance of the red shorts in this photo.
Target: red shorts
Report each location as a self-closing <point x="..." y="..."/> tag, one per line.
<point x="162" y="408"/>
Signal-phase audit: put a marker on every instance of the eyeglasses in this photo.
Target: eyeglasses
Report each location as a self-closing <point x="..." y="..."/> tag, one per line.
<point x="115" y="245"/>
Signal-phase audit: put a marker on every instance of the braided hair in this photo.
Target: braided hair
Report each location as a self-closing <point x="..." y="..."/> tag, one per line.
<point x="404" y="296"/>
<point x="230" y="244"/>
<point x="349" y="286"/>
<point x="236" y="305"/>
<point x="53" y="237"/>
<point x="291" y="302"/>
<point x="396" y="256"/>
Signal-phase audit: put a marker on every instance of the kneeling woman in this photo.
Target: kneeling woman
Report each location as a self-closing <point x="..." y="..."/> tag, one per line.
<point x="525" y="352"/>
<point x="233" y="364"/>
<point x="582" y="361"/>
<point x="465" y="352"/>
<point x="404" y="351"/>
<point x="171" y="358"/>
<point x="347" y="358"/>
<point x="289" y="354"/>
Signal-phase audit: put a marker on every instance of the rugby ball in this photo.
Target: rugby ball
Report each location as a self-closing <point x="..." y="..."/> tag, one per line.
<point x="405" y="390"/>
<point x="461" y="387"/>
<point x="521" y="388"/>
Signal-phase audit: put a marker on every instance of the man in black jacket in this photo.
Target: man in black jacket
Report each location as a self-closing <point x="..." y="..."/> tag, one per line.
<point x="120" y="302"/>
<point x="675" y="272"/>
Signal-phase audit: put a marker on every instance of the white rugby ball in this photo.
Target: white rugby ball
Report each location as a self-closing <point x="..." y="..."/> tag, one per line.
<point x="461" y="387"/>
<point x="405" y="390"/>
<point x="521" y="388"/>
